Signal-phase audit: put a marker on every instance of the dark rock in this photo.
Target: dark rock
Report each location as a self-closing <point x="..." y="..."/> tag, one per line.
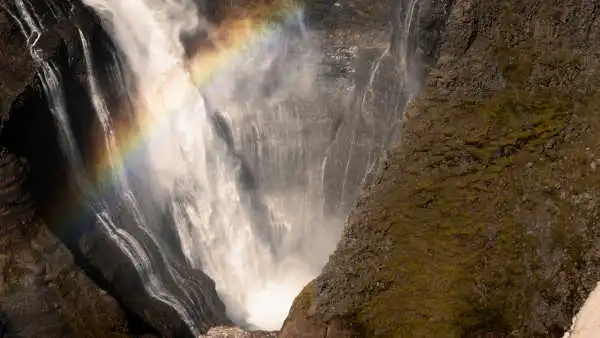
<point x="42" y="291"/>
<point x="53" y="248"/>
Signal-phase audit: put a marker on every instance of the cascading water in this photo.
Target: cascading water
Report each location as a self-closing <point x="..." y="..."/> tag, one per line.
<point x="238" y="182"/>
<point x="241" y="183"/>
<point x="231" y="139"/>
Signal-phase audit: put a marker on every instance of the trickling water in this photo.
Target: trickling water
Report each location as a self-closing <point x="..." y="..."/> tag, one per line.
<point x="231" y="141"/>
<point x="32" y="28"/>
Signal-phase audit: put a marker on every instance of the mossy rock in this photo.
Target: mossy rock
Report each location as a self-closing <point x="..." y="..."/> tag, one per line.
<point x="484" y="221"/>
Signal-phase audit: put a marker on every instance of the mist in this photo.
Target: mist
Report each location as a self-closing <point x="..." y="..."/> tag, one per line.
<point x="233" y="126"/>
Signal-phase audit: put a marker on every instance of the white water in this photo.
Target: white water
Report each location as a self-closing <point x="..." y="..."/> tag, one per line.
<point x="260" y="245"/>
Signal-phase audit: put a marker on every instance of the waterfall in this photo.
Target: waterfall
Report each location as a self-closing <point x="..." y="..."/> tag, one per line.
<point x="31" y="26"/>
<point x="238" y="181"/>
<point x="230" y="140"/>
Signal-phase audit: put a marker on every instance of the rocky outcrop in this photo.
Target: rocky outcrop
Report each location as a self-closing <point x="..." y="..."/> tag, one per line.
<point x="484" y="219"/>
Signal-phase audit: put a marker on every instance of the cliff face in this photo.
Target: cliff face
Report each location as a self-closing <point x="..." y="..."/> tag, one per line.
<point x="483" y="221"/>
<point x="42" y="290"/>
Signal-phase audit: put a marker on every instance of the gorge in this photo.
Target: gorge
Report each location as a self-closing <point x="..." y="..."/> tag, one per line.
<point x="187" y="140"/>
<point x="173" y="166"/>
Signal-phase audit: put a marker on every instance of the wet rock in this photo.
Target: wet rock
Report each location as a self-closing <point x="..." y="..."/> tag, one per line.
<point x="56" y="262"/>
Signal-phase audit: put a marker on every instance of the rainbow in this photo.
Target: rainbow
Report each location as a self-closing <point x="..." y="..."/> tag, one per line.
<point x="243" y="29"/>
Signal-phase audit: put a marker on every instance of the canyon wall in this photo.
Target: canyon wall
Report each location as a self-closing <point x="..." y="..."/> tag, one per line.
<point x="61" y="273"/>
<point x="483" y="219"/>
<point x="43" y="292"/>
<point x="480" y="221"/>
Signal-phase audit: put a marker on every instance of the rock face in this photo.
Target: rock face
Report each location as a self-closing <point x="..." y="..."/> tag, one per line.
<point x="483" y="220"/>
<point x="42" y="290"/>
<point x="390" y="58"/>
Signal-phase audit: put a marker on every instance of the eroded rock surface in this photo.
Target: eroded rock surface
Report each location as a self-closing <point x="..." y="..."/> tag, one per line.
<point x="42" y="290"/>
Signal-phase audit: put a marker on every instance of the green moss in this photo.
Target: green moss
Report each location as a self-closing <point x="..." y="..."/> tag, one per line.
<point x="305" y="300"/>
<point x="514" y="121"/>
